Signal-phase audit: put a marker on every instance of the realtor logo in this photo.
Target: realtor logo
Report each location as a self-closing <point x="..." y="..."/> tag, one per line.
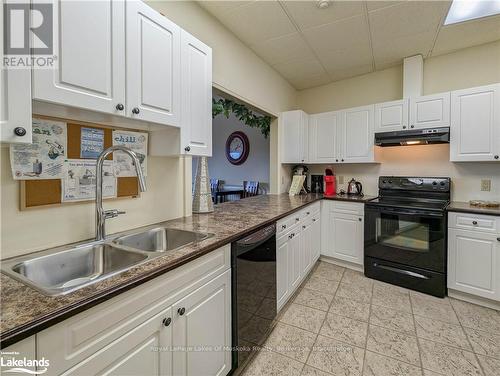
<point x="28" y="36"/>
<point x="24" y="22"/>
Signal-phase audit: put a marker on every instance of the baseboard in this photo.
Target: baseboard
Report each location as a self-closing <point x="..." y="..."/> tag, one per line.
<point x="474" y="299"/>
<point x="345" y="264"/>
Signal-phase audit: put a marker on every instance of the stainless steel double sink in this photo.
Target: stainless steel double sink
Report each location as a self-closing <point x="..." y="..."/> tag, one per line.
<point x="65" y="269"/>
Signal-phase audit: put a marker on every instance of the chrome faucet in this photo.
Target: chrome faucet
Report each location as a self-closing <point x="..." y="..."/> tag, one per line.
<point x="100" y="214"/>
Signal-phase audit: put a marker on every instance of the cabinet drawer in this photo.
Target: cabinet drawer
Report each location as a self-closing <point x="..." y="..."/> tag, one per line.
<point x="80" y="336"/>
<point x="471" y="221"/>
<point x="284" y="225"/>
<point x="344" y="207"/>
<point x="309" y="210"/>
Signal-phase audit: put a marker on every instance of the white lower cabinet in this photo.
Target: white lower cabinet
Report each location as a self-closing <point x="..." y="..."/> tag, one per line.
<point x="297" y="249"/>
<point x="343" y="231"/>
<point x="176" y="324"/>
<point x="19" y="350"/>
<point x="474" y="259"/>
<point x="201" y="334"/>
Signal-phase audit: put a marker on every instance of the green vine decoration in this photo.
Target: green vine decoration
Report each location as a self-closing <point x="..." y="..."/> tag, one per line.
<point x="226" y="107"/>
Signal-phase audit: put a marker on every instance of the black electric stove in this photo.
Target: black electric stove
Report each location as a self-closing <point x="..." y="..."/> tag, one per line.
<point x="405" y="233"/>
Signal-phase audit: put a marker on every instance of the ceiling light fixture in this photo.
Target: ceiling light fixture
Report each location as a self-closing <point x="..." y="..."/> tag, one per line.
<point x="323" y="4"/>
<point x="465" y="10"/>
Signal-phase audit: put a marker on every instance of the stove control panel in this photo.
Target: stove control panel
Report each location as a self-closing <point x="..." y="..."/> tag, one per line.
<point x="409" y="183"/>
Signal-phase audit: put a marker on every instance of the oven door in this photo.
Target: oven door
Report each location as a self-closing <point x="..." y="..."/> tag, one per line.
<point x="411" y="237"/>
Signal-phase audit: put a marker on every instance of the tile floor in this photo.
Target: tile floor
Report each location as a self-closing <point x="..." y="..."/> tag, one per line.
<point x="342" y="323"/>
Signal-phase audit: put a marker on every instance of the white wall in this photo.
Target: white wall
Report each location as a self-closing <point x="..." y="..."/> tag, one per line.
<point x="255" y="168"/>
<point x="465" y="68"/>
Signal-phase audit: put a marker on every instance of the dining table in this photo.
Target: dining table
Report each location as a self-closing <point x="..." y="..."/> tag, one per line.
<point x="223" y="193"/>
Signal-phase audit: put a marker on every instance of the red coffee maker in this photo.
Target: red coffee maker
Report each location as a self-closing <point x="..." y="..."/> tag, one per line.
<point x="329" y="183"/>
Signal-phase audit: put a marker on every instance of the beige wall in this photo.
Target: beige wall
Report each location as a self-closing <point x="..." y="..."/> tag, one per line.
<point x="466" y="68"/>
<point x="236" y="70"/>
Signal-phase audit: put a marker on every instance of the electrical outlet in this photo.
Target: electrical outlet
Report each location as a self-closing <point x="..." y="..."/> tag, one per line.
<point x="485" y="185"/>
<point x="341" y="179"/>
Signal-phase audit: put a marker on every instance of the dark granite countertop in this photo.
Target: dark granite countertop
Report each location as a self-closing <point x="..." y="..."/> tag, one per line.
<point x="25" y="311"/>
<point x="465" y="207"/>
<point x="352" y="198"/>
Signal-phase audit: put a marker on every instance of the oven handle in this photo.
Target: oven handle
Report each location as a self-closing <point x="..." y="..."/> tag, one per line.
<point x="405" y="212"/>
<point x="400" y="271"/>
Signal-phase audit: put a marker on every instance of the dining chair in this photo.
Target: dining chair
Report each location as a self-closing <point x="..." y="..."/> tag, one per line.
<point x="250" y="188"/>
<point x="214" y="187"/>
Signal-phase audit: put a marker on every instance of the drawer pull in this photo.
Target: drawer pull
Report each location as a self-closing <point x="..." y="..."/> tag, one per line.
<point x="307" y="213"/>
<point x="303" y="226"/>
<point x="498" y="238"/>
<point x="181" y="311"/>
<point x="314" y="219"/>
<point x="283" y="227"/>
<point x="474" y="223"/>
<point x="166" y="321"/>
<point x="297" y="219"/>
<point x="360" y="219"/>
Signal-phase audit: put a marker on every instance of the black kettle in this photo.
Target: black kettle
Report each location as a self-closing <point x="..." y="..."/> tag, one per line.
<point x="355" y="188"/>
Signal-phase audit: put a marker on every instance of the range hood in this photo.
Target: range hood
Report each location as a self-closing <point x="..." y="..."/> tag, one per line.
<point x="413" y="137"/>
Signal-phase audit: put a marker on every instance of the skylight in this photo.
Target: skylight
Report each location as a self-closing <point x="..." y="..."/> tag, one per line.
<point x="465" y="10"/>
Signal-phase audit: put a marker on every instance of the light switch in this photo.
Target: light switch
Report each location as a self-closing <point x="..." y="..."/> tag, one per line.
<point x="485" y="185"/>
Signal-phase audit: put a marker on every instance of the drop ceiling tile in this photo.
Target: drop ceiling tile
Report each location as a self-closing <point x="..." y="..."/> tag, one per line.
<point x="283" y="49"/>
<point x="392" y="53"/>
<point x="340" y="35"/>
<point x="219" y="7"/>
<point x="357" y="55"/>
<point x="467" y="34"/>
<point x="306" y="14"/>
<point x="408" y="18"/>
<point x="341" y="74"/>
<point x="306" y="68"/>
<point x="374" y="4"/>
<point x="257" y="22"/>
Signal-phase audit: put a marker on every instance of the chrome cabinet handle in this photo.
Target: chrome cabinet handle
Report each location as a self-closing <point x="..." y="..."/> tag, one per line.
<point x="167" y="321"/>
<point x="20" y="131"/>
<point x="135" y="110"/>
<point x="181" y="311"/>
<point x="120" y="107"/>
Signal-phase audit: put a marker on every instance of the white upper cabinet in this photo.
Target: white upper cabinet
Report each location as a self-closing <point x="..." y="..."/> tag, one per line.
<point x="430" y="111"/>
<point x="90" y="66"/>
<point x="324" y="133"/>
<point x="153" y="65"/>
<point x="391" y="116"/>
<point x="196" y="75"/>
<point x="294" y="136"/>
<point x="357" y="135"/>
<point x="475" y="124"/>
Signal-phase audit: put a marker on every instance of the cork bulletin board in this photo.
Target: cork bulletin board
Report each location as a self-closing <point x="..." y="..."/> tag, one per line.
<point x="47" y="192"/>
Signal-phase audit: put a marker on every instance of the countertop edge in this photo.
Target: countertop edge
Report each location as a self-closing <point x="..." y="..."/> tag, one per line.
<point x="19" y="333"/>
<point x="464" y="207"/>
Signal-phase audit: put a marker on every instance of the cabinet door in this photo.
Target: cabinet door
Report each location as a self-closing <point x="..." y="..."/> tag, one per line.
<point x="18" y="351"/>
<point x="474" y="263"/>
<point x="153" y="65"/>
<point x="295" y="260"/>
<point x="391" y="116"/>
<point x="430" y="111"/>
<point x="294" y="135"/>
<point x="306" y="247"/>
<point x="282" y="284"/>
<point x="346" y="237"/>
<point x="324" y="137"/>
<point x="142" y="351"/>
<point x="357" y="135"/>
<point x="475" y="124"/>
<point x="90" y="66"/>
<point x="196" y="63"/>
<point x="316" y="238"/>
<point x="202" y="328"/>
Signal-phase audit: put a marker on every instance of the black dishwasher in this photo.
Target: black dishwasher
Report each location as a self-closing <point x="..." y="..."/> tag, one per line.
<point x="253" y="265"/>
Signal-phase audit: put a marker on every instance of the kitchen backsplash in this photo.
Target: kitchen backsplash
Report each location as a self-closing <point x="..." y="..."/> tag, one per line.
<point x="428" y="160"/>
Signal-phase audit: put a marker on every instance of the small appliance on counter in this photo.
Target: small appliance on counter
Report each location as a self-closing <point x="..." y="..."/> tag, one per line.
<point x="301" y="170"/>
<point x="317" y="183"/>
<point x="355" y="188"/>
<point x="330" y="188"/>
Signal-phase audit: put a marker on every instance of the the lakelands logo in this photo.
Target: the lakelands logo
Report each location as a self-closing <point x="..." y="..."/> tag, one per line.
<point x="28" y="35"/>
<point x="11" y="363"/>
